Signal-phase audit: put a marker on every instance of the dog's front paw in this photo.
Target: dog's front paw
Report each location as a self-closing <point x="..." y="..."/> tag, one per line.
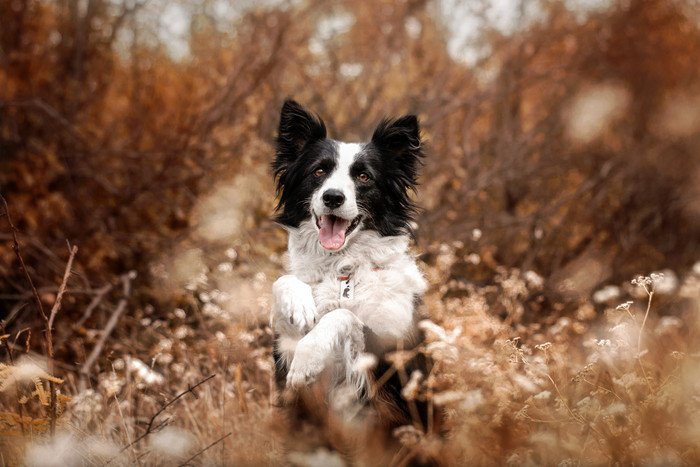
<point x="294" y="303"/>
<point x="308" y="362"/>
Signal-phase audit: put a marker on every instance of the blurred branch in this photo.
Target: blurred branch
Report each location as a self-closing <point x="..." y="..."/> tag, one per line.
<point x="229" y="100"/>
<point x="111" y="323"/>
<point x="126" y="12"/>
<point x="61" y="290"/>
<point x="101" y="292"/>
<point x="48" y="320"/>
<point x="190" y="389"/>
<point x="48" y="333"/>
<point x="152" y="427"/>
<point x="40" y="104"/>
<point x="23" y="267"/>
<point x="187" y="462"/>
<point x="47" y="289"/>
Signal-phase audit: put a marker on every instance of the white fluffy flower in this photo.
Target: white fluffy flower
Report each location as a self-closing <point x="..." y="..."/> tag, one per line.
<point x="607" y="294"/>
<point x="436" y="332"/>
<point x="60" y="451"/>
<point x="144" y="372"/>
<point x="172" y="442"/>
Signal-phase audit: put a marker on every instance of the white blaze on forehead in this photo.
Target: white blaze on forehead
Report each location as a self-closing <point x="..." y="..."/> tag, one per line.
<point x="340" y="179"/>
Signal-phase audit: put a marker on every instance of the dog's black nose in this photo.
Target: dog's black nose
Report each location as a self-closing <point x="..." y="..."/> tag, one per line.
<point x="333" y="198"/>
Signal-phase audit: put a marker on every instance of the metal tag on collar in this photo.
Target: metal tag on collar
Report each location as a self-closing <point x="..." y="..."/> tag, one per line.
<point x="346" y="290"/>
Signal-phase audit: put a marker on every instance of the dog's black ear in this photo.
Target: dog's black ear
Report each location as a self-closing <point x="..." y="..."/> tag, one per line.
<point x="298" y="127"/>
<point x="400" y="139"/>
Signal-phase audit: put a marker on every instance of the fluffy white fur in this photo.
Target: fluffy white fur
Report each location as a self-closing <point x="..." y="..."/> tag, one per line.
<point x="318" y="330"/>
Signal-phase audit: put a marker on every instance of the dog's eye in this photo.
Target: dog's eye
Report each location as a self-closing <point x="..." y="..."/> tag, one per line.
<point x="319" y="173"/>
<point x="363" y="177"/>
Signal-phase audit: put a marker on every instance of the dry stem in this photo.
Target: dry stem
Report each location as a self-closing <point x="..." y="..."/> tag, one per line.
<point x="187" y="462"/>
<point x="101" y="292"/>
<point x="650" y="293"/>
<point x="23" y="267"/>
<point x="111" y="324"/>
<point x="152" y="427"/>
<point x="48" y="320"/>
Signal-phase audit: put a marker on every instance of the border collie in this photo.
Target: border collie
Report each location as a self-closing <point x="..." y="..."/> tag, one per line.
<point x="352" y="286"/>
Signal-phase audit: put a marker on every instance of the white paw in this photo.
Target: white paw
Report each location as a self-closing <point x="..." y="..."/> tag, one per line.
<point x="295" y="303"/>
<point x="308" y="362"/>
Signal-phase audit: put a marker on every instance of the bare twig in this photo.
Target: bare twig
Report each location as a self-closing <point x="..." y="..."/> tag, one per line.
<point x="55" y="115"/>
<point x="14" y="312"/>
<point x="152" y="426"/>
<point x="206" y="448"/>
<point x="650" y="294"/>
<point x="100" y="294"/>
<point x="128" y="10"/>
<point x="190" y="389"/>
<point x="50" y="289"/>
<point x="48" y="333"/>
<point x="48" y="320"/>
<point x="23" y="267"/>
<point x="27" y="340"/>
<point x="36" y="356"/>
<point x="111" y="324"/>
<point x="57" y="304"/>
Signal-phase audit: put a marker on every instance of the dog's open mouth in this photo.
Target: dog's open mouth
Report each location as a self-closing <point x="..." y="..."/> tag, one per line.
<point x="332" y="230"/>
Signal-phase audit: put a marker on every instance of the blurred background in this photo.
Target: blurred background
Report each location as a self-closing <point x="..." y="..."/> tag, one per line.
<point x="563" y="149"/>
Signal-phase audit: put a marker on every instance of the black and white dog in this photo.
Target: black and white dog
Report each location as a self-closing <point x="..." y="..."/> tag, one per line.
<point x="352" y="286"/>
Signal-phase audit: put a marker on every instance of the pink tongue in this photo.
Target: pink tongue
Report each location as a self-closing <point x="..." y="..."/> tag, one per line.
<point x="332" y="232"/>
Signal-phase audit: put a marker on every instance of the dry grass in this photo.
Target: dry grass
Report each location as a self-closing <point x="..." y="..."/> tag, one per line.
<point x="615" y="386"/>
<point x="559" y="163"/>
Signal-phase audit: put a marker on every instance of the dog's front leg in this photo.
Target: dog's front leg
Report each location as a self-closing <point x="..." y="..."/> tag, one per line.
<point x="336" y="338"/>
<point x="293" y="308"/>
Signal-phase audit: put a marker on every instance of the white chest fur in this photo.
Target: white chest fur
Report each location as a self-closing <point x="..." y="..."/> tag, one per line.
<point x="384" y="278"/>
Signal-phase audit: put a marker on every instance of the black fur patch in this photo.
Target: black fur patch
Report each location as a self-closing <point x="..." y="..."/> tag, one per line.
<point x="301" y="145"/>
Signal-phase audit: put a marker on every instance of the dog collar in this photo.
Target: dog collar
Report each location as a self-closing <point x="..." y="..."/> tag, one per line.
<point x="346" y="276"/>
<point x="346" y="285"/>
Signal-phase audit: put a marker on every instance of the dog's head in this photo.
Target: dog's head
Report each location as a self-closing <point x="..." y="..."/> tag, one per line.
<point x="344" y="188"/>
